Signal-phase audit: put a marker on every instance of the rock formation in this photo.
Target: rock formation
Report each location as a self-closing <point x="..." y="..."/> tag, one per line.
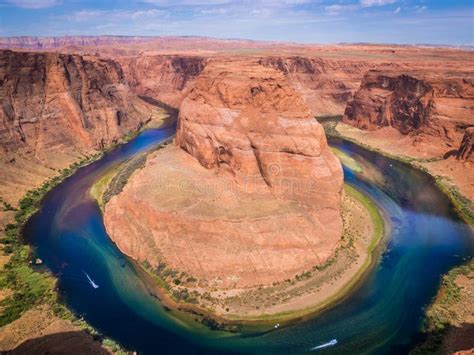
<point x="56" y="108"/>
<point x="434" y="103"/>
<point x="467" y="145"/>
<point x="51" y="100"/>
<point x="253" y="195"/>
<point x="248" y="122"/>
<point x="325" y="85"/>
<point x="162" y="77"/>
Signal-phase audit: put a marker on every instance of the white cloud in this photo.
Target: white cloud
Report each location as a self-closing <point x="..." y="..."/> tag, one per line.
<point x="420" y="8"/>
<point x="34" y="4"/>
<point x="397" y="10"/>
<point x="187" y="2"/>
<point x="336" y="9"/>
<point x="87" y="15"/>
<point x="279" y="3"/>
<point x="370" y="3"/>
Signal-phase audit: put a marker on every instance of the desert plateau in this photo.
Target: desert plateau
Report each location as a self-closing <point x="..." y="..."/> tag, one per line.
<point x="181" y="194"/>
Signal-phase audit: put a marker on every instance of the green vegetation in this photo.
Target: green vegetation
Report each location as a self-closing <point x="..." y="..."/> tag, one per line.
<point x="28" y="287"/>
<point x="463" y="205"/>
<point x="440" y="314"/>
<point x="375" y="216"/>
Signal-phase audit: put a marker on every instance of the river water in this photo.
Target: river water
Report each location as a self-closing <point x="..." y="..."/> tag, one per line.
<point x="382" y="315"/>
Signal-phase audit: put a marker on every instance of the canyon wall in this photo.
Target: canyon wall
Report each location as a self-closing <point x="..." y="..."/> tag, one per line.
<point x="423" y="102"/>
<point x="162" y="77"/>
<point x="55" y="108"/>
<point x="325" y="85"/>
<point x="53" y="100"/>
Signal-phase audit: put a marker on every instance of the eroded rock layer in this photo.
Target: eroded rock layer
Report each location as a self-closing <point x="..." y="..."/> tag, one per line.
<point x="434" y="103"/>
<point x="467" y="145"/>
<point x="166" y="78"/>
<point x="255" y="200"/>
<point x="50" y="100"/>
<point x="249" y="123"/>
<point x="56" y="108"/>
<point x="325" y="85"/>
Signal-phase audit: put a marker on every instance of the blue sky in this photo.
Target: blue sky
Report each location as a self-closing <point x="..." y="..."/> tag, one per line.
<point x="316" y="21"/>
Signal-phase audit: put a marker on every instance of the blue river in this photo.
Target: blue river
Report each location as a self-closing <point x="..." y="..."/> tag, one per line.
<point x="383" y="314"/>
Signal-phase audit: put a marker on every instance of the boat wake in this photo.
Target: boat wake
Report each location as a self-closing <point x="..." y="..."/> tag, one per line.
<point x="325" y="345"/>
<point x="93" y="284"/>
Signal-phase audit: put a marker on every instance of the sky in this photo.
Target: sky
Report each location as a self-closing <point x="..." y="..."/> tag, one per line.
<point x="305" y="21"/>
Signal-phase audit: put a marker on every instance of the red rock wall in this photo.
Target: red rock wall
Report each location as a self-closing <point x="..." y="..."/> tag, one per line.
<point x="245" y="120"/>
<point x="434" y="103"/>
<point x="325" y="85"/>
<point x="165" y="78"/>
<point x="52" y="100"/>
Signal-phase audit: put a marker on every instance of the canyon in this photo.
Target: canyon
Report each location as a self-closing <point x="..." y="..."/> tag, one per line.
<point x="55" y="110"/>
<point x="249" y="195"/>
<point x="435" y="104"/>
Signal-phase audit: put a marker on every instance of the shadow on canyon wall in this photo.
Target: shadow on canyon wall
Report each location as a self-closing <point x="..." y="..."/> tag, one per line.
<point x="449" y="340"/>
<point x="78" y="342"/>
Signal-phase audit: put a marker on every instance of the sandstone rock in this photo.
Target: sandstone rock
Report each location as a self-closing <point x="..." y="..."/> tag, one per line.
<point x="246" y="121"/>
<point x="176" y="213"/>
<point x="436" y="103"/>
<point x="256" y="199"/>
<point x="467" y="145"/>
<point x="325" y="85"/>
<point x="162" y="77"/>
<point x="52" y="100"/>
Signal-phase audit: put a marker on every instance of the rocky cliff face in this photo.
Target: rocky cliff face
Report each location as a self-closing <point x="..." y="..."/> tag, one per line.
<point x="247" y="121"/>
<point x="166" y="78"/>
<point x="433" y="103"/>
<point x="403" y="102"/>
<point x="250" y="196"/>
<point x="54" y="100"/>
<point x="467" y="145"/>
<point x="56" y="108"/>
<point x="325" y="85"/>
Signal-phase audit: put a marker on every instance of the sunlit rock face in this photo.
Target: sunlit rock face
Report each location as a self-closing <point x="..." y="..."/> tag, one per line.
<point x="51" y="100"/>
<point x="435" y="103"/>
<point x="246" y="121"/>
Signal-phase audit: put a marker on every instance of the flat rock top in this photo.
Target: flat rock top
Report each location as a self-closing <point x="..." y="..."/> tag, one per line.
<point x="175" y="182"/>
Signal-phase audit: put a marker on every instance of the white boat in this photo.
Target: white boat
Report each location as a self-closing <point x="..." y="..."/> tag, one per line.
<point x="93" y="284"/>
<point x="276" y="325"/>
<point x="325" y="345"/>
